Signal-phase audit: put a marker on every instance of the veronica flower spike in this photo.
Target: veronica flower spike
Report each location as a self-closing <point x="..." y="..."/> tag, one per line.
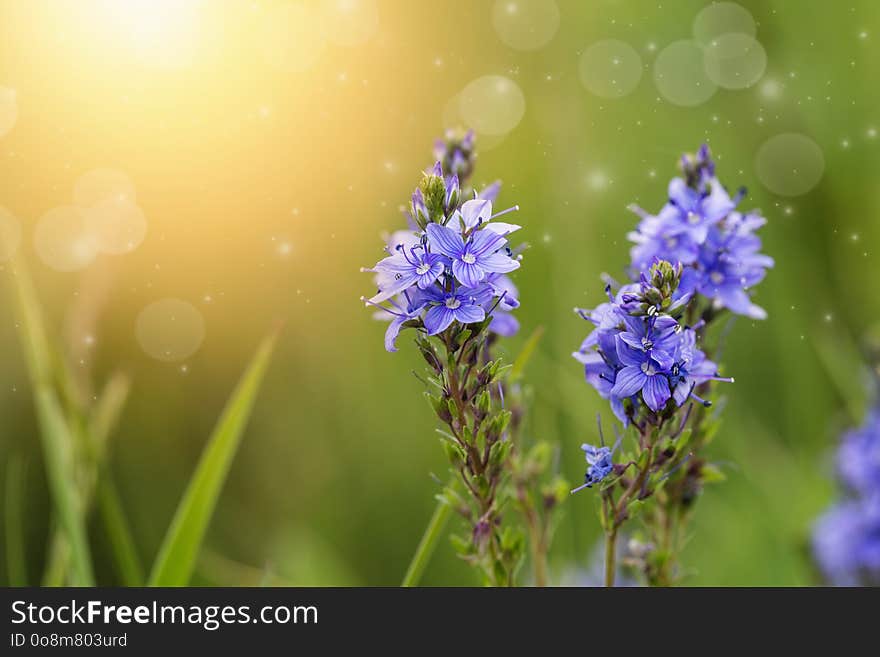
<point x="650" y="350"/>
<point x="445" y="280"/>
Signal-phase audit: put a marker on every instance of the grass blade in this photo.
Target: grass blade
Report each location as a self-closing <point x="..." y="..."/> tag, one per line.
<point x="103" y="419"/>
<point x="57" y="441"/>
<point x="16" y="563"/>
<point x="425" y="550"/>
<point x="128" y="563"/>
<point x="179" y="551"/>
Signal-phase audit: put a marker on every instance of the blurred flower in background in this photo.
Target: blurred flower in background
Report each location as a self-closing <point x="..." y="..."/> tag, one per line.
<point x="846" y="539"/>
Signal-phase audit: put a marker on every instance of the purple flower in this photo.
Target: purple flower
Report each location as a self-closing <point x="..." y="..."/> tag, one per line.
<point x="639" y="353"/>
<point x="858" y="459"/>
<point x="463" y="304"/>
<point x="400" y="315"/>
<point x="599" y="465"/>
<point x="451" y="264"/>
<point x="505" y="299"/>
<point x="474" y="258"/>
<point x="641" y="373"/>
<point x="656" y="337"/>
<point x="846" y="543"/>
<point x="408" y="267"/>
<point x="690" y="368"/>
<point x="651" y="243"/>
<point x="700" y="228"/>
<point x="846" y="539"/>
<point x="693" y="211"/>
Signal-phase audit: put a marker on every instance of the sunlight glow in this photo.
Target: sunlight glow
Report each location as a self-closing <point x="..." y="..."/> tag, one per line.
<point x="161" y="32"/>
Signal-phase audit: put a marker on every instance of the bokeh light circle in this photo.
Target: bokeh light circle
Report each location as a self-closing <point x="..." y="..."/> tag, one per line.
<point x="170" y="329"/>
<point x="525" y="24"/>
<point x="680" y="75"/>
<point x="63" y="240"/>
<point x="292" y="36"/>
<point x="117" y="224"/>
<point x="8" y="110"/>
<point x="10" y="235"/>
<point x="100" y="184"/>
<point x="452" y="119"/>
<point x="492" y="105"/>
<point x="610" y="68"/>
<point x="350" y="22"/>
<point x="735" y="61"/>
<point x="722" y="18"/>
<point x="790" y="164"/>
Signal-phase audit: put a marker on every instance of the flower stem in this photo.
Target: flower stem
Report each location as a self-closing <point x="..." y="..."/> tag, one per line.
<point x="427" y="544"/>
<point x="610" y="556"/>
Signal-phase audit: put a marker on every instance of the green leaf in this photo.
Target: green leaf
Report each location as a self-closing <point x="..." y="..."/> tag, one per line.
<point x="55" y="435"/>
<point x="179" y="551"/>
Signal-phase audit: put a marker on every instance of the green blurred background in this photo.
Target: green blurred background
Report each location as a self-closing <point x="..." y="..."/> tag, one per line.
<point x="267" y="173"/>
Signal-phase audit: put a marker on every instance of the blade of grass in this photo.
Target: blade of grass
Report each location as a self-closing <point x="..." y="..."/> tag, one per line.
<point x="105" y="414"/>
<point x="16" y="563"/>
<point x="102" y="421"/>
<point x="179" y="551"/>
<point x="128" y="563"/>
<point x="56" y="439"/>
<point x="426" y="546"/>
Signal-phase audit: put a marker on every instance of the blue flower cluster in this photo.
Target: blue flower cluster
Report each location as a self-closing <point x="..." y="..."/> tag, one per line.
<point x="451" y="265"/>
<point x="700" y="228"/>
<point x="639" y="354"/>
<point x="846" y="540"/>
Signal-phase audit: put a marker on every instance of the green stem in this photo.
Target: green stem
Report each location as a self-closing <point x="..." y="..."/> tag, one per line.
<point x="427" y="544"/>
<point x="610" y="556"/>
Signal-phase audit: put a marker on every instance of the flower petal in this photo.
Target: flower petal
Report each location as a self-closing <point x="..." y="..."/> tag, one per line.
<point x="627" y="355"/>
<point x="504" y="324"/>
<point x="484" y="242"/>
<point x="438" y="319"/>
<point x="490" y="193"/>
<point x="499" y="263"/>
<point x="394" y="288"/>
<point x="467" y="275"/>
<point x="396" y="263"/>
<point x="392" y="332"/>
<point x="476" y="212"/>
<point x="656" y="392"/>
<point x="426" y="280"/>
<point x="501" y="228"/>
<point x="445" y="240"/>
<point x="628" y="382"/>
<point x="469" y="313"/>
